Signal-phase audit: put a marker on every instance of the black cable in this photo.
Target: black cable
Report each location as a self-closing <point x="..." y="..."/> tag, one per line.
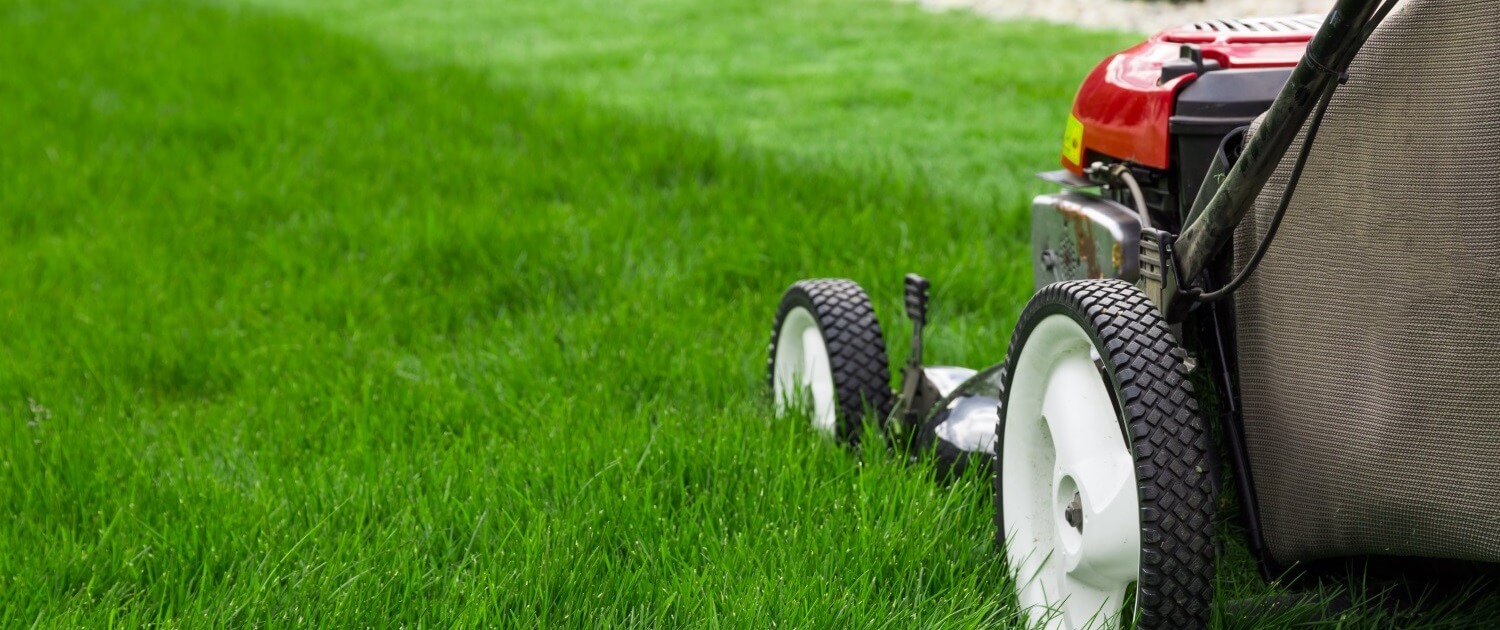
<point x="1291" y="187"/>
<point x="1286" y="200"/>
<point x="1375" y="20"/>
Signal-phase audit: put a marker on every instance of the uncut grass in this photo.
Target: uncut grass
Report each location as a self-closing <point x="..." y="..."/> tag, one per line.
<point x="296" y="333"/>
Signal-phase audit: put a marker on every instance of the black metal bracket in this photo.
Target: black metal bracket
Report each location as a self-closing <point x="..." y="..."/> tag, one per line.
<point x="1161" y="276"/>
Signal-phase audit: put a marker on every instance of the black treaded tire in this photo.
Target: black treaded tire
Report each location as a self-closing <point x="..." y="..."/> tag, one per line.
<point x="856" y="349"/>
<point x="1168" y="436"/>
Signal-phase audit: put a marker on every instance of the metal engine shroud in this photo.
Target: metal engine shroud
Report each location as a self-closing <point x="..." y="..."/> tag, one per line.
<point x="1076" y="235"/>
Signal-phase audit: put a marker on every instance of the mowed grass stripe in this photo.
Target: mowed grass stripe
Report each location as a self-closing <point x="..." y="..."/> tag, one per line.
<point x="291" y="334"/>
<point x="974" y="106"/>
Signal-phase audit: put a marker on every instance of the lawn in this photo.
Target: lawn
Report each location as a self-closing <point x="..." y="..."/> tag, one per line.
<point x="447" y="313"/>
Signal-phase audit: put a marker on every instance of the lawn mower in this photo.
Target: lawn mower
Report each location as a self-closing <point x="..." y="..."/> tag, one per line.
<point x="1353" y="368"/>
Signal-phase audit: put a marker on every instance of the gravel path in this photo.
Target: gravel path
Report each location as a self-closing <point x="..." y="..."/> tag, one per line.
<point x="1128" y="15"/>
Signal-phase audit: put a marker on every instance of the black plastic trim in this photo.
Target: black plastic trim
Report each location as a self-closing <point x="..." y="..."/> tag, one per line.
<point x="1234" y="93"/>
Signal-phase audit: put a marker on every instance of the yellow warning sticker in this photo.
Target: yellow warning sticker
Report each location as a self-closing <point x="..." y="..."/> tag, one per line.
<point x="1073" y="141"/>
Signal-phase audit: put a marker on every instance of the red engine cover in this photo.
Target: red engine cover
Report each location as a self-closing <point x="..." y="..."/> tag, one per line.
<point x="1123" y="109"/>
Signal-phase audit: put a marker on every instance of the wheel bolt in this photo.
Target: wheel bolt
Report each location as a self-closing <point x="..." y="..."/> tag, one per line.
<point x="1074" y="513"/>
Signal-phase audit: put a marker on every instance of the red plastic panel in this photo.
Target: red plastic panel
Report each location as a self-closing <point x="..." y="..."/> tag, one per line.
<point x="1122" y="110"/>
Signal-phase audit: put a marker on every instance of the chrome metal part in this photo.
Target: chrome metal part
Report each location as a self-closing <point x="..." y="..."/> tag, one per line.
<point x="947" y="379"/>
<point x="970" y="424"/>
<point x="969" y="410"/>
<point x="1067" y="179"/>
<point x="1078" y="236"/>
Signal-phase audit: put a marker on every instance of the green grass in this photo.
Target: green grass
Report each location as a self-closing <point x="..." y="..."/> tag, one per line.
<point x="383" y="315"/>
<point x="939" y="96"/>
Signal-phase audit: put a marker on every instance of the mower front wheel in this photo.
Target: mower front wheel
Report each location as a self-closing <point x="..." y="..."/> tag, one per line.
<point x="828" y="357"/>
<point x="1103" y="492"/>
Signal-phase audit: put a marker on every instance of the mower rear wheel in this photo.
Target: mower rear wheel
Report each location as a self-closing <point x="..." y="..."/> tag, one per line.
<point x="1103" y="492"/>
<point x="828" y="357"/>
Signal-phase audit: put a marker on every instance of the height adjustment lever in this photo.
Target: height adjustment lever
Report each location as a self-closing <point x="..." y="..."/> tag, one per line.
<point x="916" y="308"/>
<point x="917" y="394"/>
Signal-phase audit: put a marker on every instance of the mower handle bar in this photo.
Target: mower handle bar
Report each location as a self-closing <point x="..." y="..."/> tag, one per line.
<point x="1330" y="51"/>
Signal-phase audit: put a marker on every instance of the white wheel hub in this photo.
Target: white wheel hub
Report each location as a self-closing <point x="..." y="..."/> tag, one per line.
<point x="803" y="375"/>
<point x="1070" y="507"/>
